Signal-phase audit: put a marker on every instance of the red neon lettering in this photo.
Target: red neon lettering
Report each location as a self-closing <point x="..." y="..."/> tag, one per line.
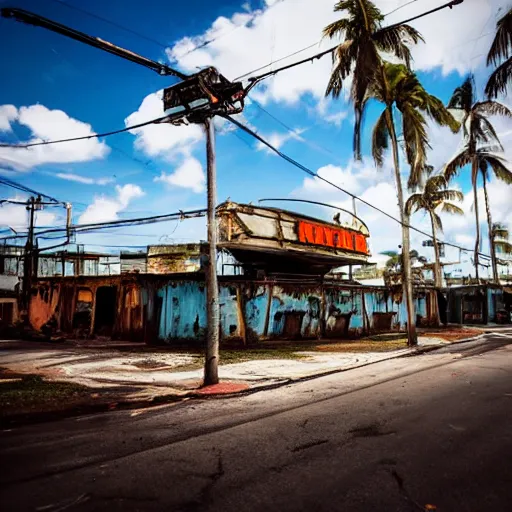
<point x="332" y="237"/>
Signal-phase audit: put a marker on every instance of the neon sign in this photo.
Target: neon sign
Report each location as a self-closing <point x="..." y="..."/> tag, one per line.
<point x="327" y="236"/>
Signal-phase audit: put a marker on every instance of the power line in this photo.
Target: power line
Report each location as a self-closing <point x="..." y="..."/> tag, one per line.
<point x="400" y="7"/>
<point x="256" y="79"/>
<point x="83" y="228"/>
<point x="294" y="132"/>
<point x="11" y="183"/>
<point x="93" y="136"/>
<point x="113" y="23"/>
<point x="275" y="61"/>
<point x="144" y="36"/>
<point x="316" y="175"/>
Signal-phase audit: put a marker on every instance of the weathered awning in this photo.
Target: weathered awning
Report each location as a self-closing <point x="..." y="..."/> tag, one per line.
<point x="284" y="241"/>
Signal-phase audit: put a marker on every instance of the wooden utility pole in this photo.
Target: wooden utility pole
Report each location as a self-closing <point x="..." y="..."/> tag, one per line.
<point x="211" y="374"/>
<point x="28" y="267"/>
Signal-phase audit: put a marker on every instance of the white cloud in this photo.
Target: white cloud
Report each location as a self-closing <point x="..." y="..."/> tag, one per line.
<point x="189" y="174"/>
<point x="277" y="139"/>
<point x="16" y="216"/>
<point x="164" y="140"/>
<point x="337" y="118"/>
<point x="354" y="178"/>
<point x="105" y="209"/>
<point x="83" y="179"/>
<point x="457" y="40"/>
<point x="46" y="124"/>
<point x="8" y="113"/>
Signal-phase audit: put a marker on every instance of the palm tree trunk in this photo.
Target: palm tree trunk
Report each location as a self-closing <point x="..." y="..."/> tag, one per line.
<point x="474" y="175"/>
<point x="495" y="275"/>
<point x="438" y="278"/>
<point x="412" y="338"/>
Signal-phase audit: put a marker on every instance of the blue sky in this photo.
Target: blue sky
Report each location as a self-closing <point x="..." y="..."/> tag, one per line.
<point x="46" y="73"/>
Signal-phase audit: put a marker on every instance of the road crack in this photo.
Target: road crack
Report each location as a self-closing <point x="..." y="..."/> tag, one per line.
<point x="309" y="445"/>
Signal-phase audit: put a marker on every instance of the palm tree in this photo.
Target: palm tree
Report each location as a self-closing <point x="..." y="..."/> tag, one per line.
<point x="435" y="195"/>
<point x="358" y="54"/>
<point x="481" y="146"/>
<point x="395" y="262"/>
<point x="501" y="48"/>
<point x="399" y="87"/>
<point x="500" y="238"/>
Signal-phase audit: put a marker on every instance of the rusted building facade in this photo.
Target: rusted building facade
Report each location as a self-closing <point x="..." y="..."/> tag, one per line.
<point x="283" y="290"/>
<point x="158" y="308"/>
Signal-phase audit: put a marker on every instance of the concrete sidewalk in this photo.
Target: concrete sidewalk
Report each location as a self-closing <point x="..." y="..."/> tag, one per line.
<point x="153" y="374"/>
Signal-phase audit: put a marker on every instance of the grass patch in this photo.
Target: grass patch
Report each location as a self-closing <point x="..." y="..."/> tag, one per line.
<point x="31" y="393"/>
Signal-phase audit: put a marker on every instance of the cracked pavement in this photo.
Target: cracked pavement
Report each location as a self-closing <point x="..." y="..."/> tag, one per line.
<point x="407" y="434"/>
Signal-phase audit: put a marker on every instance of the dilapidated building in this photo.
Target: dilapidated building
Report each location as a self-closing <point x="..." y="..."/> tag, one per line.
<point x="164" y="308"/>
<point x="282" y="289"/>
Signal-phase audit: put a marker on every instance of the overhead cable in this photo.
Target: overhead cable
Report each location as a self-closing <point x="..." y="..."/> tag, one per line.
<point x="98" y="226"/>
<point x="316" y="175"/>
<point x="22" y="188"/>
<point x="256" y="79"/>
<point x="93" y="136"/>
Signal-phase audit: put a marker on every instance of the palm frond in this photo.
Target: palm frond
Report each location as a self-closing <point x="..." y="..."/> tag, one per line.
<point x="449" y="195"/>
<point x="380" y="139"/>
<point x="416" y="144"/>
<point x="437" y="111"/>
<point x="414" y="203"/>
<point x="394" y="40"/>
<point x="493" y="139"/>
<point x="337" y="28"/>
<point x="457" y="162"/>
<point x="502" y="44"/>
<point x="499" y="79"/>
<point x="492" y="108"/>
<point x="498" y="166"/>
<point x="343" y="61"/>
<point x="448" y="207"/>
<point x="435" y="184"/>
<point x="438" y="225"/>
<point x="463" y="96"/>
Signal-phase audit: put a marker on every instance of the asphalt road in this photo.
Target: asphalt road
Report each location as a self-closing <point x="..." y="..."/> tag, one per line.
<point x="399" y="435"/>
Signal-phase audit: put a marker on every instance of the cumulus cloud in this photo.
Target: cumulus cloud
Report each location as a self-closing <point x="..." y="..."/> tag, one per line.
<point x="46" y="124"/>
<point x="189" y="174"/>
<point x="15" y="216"/>
<point x="164" y="140"/>
<point x="105" y="208"/>
<point x="457" y="40"/>
<point x="69" y="176"/>
<point x="8" y="113"/>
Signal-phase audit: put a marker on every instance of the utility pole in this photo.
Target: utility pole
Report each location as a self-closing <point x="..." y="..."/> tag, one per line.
<point x="211" y="374"/>
<point x="28" y="268"/>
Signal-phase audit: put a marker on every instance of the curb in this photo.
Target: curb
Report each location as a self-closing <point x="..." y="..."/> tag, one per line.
<point x="32" y="418"/>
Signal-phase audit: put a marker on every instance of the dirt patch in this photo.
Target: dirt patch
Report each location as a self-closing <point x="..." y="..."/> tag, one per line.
<point x="363" y="346"/>
<point x="453" y="334"/>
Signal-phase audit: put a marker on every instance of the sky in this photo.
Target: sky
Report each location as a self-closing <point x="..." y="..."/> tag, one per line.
<point x="53" y="87"/>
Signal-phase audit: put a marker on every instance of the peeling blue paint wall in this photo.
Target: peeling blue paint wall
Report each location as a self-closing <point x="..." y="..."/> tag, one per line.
<point x="295" y="310"/>
<point x="183" y="312"/>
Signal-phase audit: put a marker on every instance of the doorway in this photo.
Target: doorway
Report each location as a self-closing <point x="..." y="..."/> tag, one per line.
<point x="105" y="313"/>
